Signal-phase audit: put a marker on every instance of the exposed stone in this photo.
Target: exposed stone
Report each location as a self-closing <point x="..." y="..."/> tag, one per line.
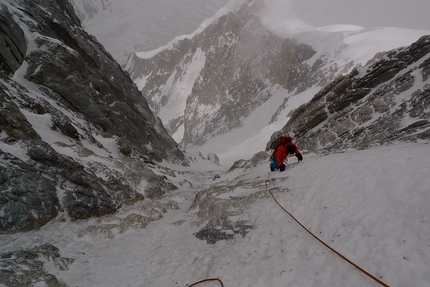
<point x="27" y="199"/>
<point x="222" y="229"/>
<point x="24" y="268"/>
<point x="13" y="45"/>
<point x="12" y="121"/>
<point x="64" y="124"/>
<point x="63" y="116"/>
<point x="363" y="108"/>
<point x="124" y="147"/>
<point x="78" y="73"/>
<point x="83" y="202"/>
<point x="242" y="60"/>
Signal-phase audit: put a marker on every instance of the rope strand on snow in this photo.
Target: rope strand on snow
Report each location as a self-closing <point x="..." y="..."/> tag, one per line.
<point x="325" y="244"/>
<point x="206" y="280"/>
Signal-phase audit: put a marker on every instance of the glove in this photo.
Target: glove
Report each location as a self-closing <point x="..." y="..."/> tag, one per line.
<point x="282" y="167"/>
<point x="299" y="156"/>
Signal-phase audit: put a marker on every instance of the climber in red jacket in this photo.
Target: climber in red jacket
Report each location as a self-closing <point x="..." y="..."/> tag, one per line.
<point x="282" y="151"/>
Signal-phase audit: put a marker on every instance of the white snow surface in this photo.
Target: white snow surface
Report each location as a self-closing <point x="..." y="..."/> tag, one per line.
<point x="370" y="205"/>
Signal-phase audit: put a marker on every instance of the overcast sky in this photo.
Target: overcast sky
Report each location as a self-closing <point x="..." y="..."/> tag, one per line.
<point x="412" y="14"/>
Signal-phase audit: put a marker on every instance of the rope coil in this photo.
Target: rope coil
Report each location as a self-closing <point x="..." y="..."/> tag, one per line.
<point x="321" y="241"/>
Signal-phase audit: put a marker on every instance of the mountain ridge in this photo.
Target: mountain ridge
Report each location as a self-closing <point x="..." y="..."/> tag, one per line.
<point x="73" y="124"/>
<point x="337" y="50"/>
<point x="124" y="28"/>
<point x="383" y="102"/>
<point x="94" y="192"/>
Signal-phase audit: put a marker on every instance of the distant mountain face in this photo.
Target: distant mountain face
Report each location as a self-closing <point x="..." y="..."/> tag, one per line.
<point x="385" y="101"/>
<point x="228" y="75"/>
<point x="209" y="83"/>
<point x="124" y="27"/>
<point x="76" y="135"/>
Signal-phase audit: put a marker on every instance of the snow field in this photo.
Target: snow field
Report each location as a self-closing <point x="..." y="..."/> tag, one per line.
<point x="370" y="205"/>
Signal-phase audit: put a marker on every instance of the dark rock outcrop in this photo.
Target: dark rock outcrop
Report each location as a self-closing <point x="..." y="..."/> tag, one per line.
<point x="71" y="121"/>
<point x="13" y="44"/>
<point x="26" y="267"/>
<point x="384" y="101"/>
<point x="82" y="76"/>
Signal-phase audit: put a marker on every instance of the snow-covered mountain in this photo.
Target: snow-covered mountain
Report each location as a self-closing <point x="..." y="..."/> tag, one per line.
<point x="94" y="192"/>
<point x="124" y="27"/>
<point x="245" y="69"/>
<point x="384" y="101"/>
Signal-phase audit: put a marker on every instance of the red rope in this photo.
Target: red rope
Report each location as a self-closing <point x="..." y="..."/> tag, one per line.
<point x="325" y="244"/>
<point x="206" y="280"/>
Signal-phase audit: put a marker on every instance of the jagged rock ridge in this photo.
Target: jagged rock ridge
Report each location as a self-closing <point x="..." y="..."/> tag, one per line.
<point x="213" y="83"/>
<point x="218" y="77"/>
<point x="76" y="137"/>
<point x="385" y="101"/>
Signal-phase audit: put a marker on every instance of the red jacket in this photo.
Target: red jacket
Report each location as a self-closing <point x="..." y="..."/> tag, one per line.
<point x="283" y="150"/>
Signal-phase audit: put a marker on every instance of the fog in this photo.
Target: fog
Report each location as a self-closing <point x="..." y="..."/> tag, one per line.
<point x="412" y="14"/>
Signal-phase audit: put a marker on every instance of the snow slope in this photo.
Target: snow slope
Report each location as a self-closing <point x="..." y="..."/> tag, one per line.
<point x="370" y="205"/>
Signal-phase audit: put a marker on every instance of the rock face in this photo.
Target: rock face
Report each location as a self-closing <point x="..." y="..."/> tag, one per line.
<point x="218" y="77"/>
<point x="26" y="267"/>
<point x="76" y="135"/>
<point x="12" y="42"/>
<point x="385" y="101"/>
<point x="244" y="71"/>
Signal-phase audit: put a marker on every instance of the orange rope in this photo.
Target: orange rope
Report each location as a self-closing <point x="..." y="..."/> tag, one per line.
<point x="325" y="244"/>
<point x="206" y="280"/>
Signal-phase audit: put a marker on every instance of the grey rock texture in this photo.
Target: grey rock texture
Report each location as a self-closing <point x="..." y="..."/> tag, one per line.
<point x="28" y="199"/>
<point x="76" y="136"/>
<point x="220" y="75"/>
<point x="13" y="45"/>
<point x="387" y="100"/>
<point x="25" y="267"/>
<point x="81" y="75"/>
<point x="242" y="61"/>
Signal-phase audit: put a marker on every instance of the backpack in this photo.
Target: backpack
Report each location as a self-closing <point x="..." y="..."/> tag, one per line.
<point x="280" y="140"/>
<point x="277" y="142"/>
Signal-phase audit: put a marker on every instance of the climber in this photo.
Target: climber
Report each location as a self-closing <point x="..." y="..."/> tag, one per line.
<point x="284" y="147"/>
